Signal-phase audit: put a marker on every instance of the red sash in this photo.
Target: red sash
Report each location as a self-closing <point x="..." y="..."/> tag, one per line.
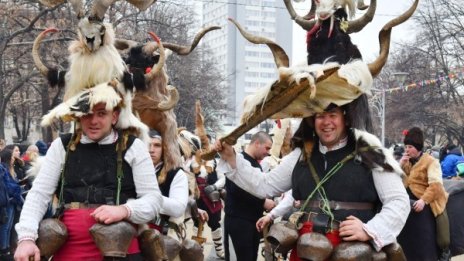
<point x="80" y="245"/>
<point x="213" y="207"/>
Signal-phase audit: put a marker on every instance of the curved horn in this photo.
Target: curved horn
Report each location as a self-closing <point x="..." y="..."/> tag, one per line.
<point x="173" y="99"/>
<point x="159" y="65"/>
<point x="304" y="23"/>
<point x="280" y="57"/>
<point x="78" y="8"/>
<point x="184" y="50"/>
<point x="124" y="45"/>
<point x="358" y="24"/>
<point x="312" y="12"/>
<point x="35" y="51"/>
<point x="200" y="130"/>
<point x="361" y="5"/>
<point x="384" y="39"/>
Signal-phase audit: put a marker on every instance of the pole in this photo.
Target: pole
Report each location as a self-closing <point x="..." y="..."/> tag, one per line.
<point x="383" y="117"/>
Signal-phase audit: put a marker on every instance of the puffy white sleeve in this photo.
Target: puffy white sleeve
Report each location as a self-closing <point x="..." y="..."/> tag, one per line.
<point x="284" y="206"/>
<point x="388" y="223"/>
<point x="257" y="183"/>
<point x="176" y="203"/>
<point x="43" y="188"/>
<point x="149" y="200"/>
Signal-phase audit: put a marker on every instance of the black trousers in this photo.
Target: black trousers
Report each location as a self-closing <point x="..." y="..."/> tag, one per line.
<point x="245" y="238"/>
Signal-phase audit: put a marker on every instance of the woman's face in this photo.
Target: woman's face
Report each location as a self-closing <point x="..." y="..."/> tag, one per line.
<point x="16" y="153"/>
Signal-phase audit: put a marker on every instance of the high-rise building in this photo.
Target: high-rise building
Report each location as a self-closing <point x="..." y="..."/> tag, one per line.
<point x="245" y="65"/>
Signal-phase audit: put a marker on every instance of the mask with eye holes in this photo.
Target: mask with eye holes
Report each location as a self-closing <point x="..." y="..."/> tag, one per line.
<point x="93" y="33"/>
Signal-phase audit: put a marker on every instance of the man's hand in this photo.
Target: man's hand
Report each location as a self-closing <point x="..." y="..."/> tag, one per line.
<point x="352" y="230"/>
<point x="419" y="205"/>
<point x="203" y="215"/>
<point x="263" y="222"/>
<point x="27" y="250"/>
<point x="226" y="151"/>
<point x="109" y="214"/>
<point x="209" y="189"/>
<point x="269" y="204"/>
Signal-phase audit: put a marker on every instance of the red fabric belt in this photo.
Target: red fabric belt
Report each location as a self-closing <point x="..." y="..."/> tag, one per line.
<point x="80" y="245"/>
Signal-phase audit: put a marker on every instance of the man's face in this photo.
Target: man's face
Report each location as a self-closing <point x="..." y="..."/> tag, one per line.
<point x="262" y="149"/>
<point x="98" y="124"/>
<point x="330" y="127"/>
<point x="411" y="151"/>
<point x="156" y="150"/>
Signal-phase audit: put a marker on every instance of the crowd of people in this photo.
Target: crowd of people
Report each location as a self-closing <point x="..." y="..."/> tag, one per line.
<point x="16" y="160"/>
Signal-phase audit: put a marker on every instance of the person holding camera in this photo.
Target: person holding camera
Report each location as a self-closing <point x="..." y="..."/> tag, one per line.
<point x="424" y="185"/>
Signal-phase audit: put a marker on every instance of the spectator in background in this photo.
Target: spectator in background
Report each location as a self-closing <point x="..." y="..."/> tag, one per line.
<point x="14" y="205"/>
<point x="31" y="155"/>
<point x="2" y="144"/>
<point x="435" y="151"/>
<point x="451" y="156"/>
<point x="17" y="169"/>
<point x="42" y="147"/>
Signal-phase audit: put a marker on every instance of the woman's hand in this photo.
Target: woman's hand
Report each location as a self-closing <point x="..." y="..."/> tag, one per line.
<point x="352" y="230"/>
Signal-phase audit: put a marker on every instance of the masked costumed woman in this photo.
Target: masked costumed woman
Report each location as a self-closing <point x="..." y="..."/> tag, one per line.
<point x="83" y="168"/>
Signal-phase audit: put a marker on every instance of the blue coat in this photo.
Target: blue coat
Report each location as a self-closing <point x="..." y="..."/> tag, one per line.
<point x="448" y="164"/>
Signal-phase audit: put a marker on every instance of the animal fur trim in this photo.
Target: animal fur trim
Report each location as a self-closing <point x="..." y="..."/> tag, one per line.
<point x="342" y="87"/>
<point x="378" y="156"/>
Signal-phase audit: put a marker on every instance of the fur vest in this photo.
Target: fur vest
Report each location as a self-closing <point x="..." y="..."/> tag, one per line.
<point x="424" y="179"/>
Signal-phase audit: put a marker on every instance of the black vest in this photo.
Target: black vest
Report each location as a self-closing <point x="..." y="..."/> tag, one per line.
<point x="240" y="203"/>
<point x="90" y="174"/>
<point x="166" y="186"/>
<point x="351" y="183"/>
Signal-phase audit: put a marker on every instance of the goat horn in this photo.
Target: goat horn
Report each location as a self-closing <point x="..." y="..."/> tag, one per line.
<point x="384" y="39"/>
<point x="361" y="5"/>
<point x="124" y="45"/>
<point x="173" y="99"/>
<point x="200" y="130"/>
<point x="280" y="57"/>
<point x="304" y="23"/>
<point x="184" y="50"/>
<point x="35" y="51"/>
<point x="100" y="7"/>
<point x="358" y="24"/>
<point x="159" y="65"/>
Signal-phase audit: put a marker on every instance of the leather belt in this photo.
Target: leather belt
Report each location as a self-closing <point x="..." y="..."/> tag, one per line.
<point x="79" y="205"/>
<point x="337" y="205"/>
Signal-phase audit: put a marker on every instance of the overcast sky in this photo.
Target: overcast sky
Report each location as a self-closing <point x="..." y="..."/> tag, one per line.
<point x="367" y="39"/>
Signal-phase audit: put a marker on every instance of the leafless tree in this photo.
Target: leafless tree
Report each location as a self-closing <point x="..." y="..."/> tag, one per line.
<point x="436" y="53"/>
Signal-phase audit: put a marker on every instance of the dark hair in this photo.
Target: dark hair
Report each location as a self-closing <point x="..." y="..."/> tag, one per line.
<point x="154" y="133"/>
<point x="5" y="157"/>
<point x="261" y="137"/>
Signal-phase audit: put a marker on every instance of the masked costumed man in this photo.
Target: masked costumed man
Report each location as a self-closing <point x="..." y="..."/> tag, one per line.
<point x="428" y="198"/>
<point x="100" y="174"/>
<point x="210" y="183"/>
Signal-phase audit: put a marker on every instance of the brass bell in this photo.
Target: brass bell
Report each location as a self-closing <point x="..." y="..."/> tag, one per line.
<point x="214" y="196"/>
<point x="52" y="235"/>
<point x="352" y="251"/>
<point x="394" y="252"/>
<point x="282" y="236"/>
<point x="151" y="245"/>
<point x="113" y="240"/>
<point x="191" y="251"/>
<point x="172" y="247"/>
<point x="314" y="246"/>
